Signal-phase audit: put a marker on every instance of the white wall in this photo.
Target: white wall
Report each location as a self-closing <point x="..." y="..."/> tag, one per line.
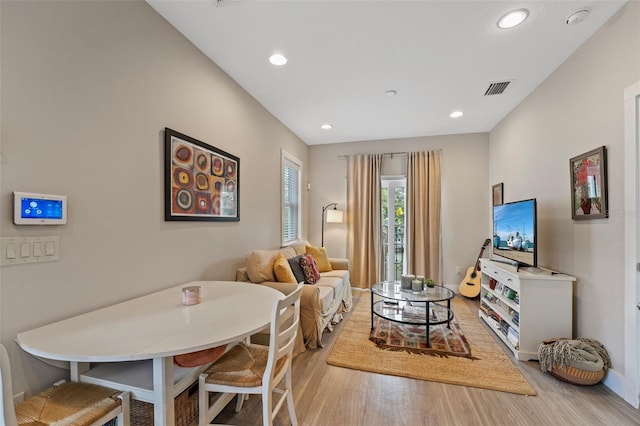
<point x="87" y="90"/>
<point x="578" y="108"/>
<point x="465" y="192"/>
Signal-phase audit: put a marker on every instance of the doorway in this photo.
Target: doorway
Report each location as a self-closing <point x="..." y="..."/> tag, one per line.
<point x="632" y="245"/>
<point x="392" y="195"/>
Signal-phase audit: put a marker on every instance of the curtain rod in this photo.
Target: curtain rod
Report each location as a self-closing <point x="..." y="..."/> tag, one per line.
<point x="386" y="154"/>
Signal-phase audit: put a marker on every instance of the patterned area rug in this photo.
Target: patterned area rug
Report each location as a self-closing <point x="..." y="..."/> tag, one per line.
<point x="443" y="341"/>
<point x="489" y="368"/>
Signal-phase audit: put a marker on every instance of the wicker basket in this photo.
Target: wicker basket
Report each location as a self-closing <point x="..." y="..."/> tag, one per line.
<point x="186" y="408"/>
<point x="578" y="377"/>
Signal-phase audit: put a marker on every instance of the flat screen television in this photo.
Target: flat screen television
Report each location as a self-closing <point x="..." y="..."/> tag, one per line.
<point x="514" y="232"/>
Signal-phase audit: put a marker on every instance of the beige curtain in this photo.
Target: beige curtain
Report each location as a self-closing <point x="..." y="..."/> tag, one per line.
<point x="423" y="231"/>
<point x="363" y="218"/>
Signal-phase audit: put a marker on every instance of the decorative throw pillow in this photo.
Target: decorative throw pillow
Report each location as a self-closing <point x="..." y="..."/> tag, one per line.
<point x="321" y="257"/>
<point x="282" y="270"/>
<point x="294" y="263"/>
<point x="306" y="263"/>
<point x="260" y="265"/>
<point x="194" y="359"/>
<point x="314" y="265"/>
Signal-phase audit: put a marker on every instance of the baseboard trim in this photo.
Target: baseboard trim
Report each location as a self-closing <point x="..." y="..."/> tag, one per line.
<point x="614" y="381"/>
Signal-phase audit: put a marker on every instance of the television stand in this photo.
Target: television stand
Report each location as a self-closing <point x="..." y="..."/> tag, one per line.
<point x="525" y="307"/>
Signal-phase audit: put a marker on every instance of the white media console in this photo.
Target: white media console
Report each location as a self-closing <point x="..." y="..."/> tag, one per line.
<point x="525" y="306"/>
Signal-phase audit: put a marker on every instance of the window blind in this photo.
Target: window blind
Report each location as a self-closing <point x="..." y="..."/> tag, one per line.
<point x="290" y="200"/>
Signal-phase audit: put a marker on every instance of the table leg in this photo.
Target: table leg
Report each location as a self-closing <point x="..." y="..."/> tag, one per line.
<point x="372" y="310"/>
<point x="427" y="315"/>
<point x="449" y="310"/>
<point x="76" y="369"/>
<point x="163" y="403"/>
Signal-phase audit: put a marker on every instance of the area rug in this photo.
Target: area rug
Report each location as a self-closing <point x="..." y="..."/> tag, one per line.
<point x="443" y="341"/>
<point x="489" y="368"/>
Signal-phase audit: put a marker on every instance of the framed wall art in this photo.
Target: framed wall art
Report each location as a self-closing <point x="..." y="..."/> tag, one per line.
<point x="202" y="183"/>
<point x="589" y="185"/>
<point x="498" y="197"/>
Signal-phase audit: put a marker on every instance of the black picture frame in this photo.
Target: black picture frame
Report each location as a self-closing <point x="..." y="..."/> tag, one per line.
<point x="202" y="183"/>
<point x="498" y="194"/>
<point x="589" y="191"/>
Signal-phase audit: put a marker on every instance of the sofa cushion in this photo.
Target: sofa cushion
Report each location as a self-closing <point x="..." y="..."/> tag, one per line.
<point x="339" y="273"/>
<point x="260" y="265"/>
<point x="300" y="248"/>
<point x="308" y="265"/>
<point x="294" y="263"/>
<point x="321" y="257"/>
<point x="335" y="283"/>
<point x="288" y="252"/>
<point x="326" y="297"/>
<point x="282" y="270"/>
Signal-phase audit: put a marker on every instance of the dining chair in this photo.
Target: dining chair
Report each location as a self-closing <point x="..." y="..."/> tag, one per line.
<point x="255" y="369"/>
<point x="64" y="403"/>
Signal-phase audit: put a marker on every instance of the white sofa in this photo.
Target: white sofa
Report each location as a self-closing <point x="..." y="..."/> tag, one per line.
<point x="321" y="304"/>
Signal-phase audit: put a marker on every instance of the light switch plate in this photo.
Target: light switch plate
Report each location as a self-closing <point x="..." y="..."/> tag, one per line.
<point x="21" y="250"/>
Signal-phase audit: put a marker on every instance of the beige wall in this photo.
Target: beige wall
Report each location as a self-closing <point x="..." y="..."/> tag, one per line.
<point x="465" y="192"/>
<point x="578" y="108"/>
<point x="87" y="90"/>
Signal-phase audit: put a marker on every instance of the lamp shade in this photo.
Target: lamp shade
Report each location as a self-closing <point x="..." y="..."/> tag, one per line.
<point x="334" y="216"/>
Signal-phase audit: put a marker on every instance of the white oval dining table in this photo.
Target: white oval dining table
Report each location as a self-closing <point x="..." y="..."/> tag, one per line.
<point x="154" y="327"/>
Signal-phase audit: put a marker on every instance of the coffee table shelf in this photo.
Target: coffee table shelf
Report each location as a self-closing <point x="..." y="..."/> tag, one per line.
<point x="391" y="302"/>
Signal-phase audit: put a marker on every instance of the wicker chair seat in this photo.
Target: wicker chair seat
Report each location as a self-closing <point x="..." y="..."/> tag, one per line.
<point x="242" y="366"/>
<point x="68" y="404"/>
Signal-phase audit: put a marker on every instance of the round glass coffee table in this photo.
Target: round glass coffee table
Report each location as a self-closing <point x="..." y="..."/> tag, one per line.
<point x="391" y="302"/>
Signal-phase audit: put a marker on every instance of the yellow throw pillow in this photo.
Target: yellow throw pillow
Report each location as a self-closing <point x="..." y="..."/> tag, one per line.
<point x="283" y="271"/>
<point x="321" y="257"/>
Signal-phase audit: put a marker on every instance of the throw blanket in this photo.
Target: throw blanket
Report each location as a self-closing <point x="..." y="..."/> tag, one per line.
<point x="582" y="354"/>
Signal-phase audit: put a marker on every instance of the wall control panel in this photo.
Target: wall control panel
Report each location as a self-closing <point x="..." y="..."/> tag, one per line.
<point x="39" y="209"/>
<point x="20" y="250"/>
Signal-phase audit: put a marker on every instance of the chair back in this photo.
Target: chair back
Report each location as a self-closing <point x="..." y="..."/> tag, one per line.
<point x="8" y="412"/>
<point x="283" y="330"/>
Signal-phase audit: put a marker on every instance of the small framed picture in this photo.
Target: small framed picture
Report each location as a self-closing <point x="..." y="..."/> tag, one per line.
<point x="498" y="199"/>
<point x="589" y="185"/>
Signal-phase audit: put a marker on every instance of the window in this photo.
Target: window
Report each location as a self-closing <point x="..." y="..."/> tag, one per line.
<point x="291" y="194"/>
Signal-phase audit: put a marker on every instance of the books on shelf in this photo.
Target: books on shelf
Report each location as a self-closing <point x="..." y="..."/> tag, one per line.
<point x="513" y="337"/>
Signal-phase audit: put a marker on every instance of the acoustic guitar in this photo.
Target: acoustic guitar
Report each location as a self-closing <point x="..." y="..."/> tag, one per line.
<point x="470" y="284"/>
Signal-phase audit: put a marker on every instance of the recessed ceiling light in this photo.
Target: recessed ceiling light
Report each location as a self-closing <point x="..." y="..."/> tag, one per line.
<point x="326" y="126"/>
<point x="391" y="93"/>
<point x="513" y="18"/>
<point x="456" y="114"/>
<point x="277" y="59"/>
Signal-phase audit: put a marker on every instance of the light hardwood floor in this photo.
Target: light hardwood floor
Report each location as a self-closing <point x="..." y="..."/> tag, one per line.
<point x="333" y="396"/>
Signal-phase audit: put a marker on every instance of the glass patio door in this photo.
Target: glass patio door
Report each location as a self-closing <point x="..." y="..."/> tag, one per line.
<point x="393" y="241"/>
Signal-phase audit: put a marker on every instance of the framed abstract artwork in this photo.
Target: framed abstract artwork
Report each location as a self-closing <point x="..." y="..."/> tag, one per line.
<point x="202" y="183"/>
<point x="589" y="185"/>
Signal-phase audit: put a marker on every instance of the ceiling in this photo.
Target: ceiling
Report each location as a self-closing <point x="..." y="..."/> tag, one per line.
<point x="343" y="56"/>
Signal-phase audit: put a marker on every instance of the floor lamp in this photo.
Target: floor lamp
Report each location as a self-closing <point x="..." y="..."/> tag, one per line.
<point x="333" y="216"/>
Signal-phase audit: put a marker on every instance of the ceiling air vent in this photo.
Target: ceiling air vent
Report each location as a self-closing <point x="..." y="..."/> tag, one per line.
<point x="224" y="2"/>
<point x="497" y="88"/>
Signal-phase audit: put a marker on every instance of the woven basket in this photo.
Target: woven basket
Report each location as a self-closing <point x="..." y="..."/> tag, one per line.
<point x="578" y="377"/>
<point x="186" y="408"/>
